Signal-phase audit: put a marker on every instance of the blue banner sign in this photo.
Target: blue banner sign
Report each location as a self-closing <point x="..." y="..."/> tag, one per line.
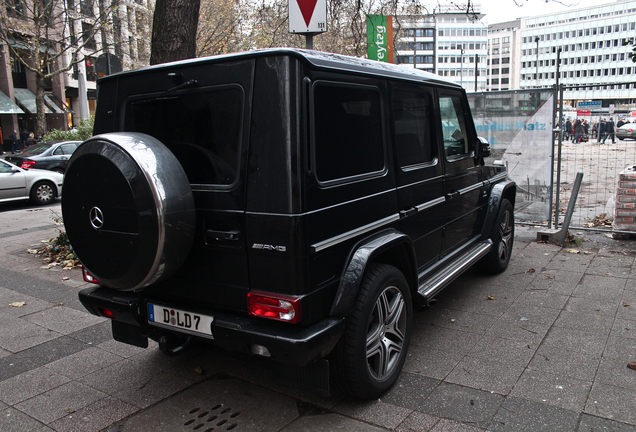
<point x="589" y="105"/>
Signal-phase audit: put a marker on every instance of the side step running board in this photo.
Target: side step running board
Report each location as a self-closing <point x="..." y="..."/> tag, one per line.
<point x="459" y="265"/>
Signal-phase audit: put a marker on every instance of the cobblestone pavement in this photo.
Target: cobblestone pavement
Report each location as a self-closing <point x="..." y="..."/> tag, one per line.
<point x="543" y="347"/>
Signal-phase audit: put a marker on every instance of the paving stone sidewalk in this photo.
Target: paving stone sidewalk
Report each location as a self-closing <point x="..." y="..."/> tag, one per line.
<point x="542" y="347"/>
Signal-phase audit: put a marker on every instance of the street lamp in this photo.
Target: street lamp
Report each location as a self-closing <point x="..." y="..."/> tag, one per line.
<point x="537" y="41"/>
<point x="461" y="79"/>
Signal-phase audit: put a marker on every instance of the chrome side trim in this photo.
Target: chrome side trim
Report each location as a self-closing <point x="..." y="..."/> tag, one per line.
<point x="500" y="176"/>
<point x="353" y="233"/>
<point x="430" y="204"/>
<point x="471" y="188"/>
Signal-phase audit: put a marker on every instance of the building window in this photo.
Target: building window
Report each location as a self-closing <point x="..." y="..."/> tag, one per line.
<point x="505" y="71"/>
<point x="505" y="60"/>
<point x="505" y="80"/>
<point x="87" y="36"/>
<point x="86" y="7"/>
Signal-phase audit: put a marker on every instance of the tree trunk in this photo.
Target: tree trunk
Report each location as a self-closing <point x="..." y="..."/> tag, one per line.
<point x="174" y="30"/>
<point x="39" y="102"/>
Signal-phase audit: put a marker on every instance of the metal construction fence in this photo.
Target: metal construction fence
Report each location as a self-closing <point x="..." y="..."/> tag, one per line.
<point x="521" y="126"/>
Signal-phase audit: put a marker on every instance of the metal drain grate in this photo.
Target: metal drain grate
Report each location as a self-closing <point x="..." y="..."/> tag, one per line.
<point x="217" y="418"/>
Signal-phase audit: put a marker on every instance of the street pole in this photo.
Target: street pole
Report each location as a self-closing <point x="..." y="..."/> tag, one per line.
<point x="461" y="72"/>
<point x="476" y="70"/>
<point x="537" y="73"/>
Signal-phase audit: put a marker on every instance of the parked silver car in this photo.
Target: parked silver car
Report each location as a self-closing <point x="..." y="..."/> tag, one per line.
<point x="40" y="186"/>
<point x="626" y="131"/>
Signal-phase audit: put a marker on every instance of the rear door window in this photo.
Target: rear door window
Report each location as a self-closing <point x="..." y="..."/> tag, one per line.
<point x="201" y="127"/>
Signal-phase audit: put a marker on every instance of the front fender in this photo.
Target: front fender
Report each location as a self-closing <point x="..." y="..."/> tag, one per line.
<point x="497" y="193"/>
<point x="364" y="253"/>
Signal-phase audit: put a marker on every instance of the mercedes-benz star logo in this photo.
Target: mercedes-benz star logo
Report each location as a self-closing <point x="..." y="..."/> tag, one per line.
<point x="96" y="217"/>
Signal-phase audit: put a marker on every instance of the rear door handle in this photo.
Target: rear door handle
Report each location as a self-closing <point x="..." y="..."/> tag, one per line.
<point x="407" y="213"/>
<point x="451" y="195"/>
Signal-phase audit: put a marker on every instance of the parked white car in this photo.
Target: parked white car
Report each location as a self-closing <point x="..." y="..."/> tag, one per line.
<point x="40" y="186"/>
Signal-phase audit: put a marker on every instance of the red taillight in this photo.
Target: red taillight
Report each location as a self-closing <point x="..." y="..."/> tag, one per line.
<point x="106" y="312"/>
<point x="27" y="164"/>
<point x="88" y="277"/>
<point x="277" y="307"/>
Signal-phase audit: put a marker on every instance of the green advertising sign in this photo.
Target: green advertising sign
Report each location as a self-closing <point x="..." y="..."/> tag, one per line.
<point x="379" y="40"/>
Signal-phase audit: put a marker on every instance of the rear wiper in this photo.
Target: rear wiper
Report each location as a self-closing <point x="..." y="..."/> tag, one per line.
<point x="190" y="83"/>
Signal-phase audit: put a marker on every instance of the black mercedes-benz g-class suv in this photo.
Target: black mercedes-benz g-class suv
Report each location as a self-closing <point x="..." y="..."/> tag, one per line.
<point x="290" y="204"/>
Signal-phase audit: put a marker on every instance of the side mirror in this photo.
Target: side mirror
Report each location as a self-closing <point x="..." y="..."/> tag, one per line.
<point x="484" y="150"/>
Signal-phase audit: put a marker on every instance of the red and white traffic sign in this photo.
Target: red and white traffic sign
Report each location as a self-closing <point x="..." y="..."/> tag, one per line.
<point x="307" y="16"/>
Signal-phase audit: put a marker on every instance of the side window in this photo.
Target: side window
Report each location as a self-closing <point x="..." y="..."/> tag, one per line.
<point x="347" y="131"/>
<point x="5" y="168"/>
<point x="456" y="142"/>
<point x="412" y="116"/>
<point x="68" y="149"/>
<point x="58" y="151"/>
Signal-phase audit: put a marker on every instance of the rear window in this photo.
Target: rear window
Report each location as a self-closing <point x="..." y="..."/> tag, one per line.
<point x="201" y="127"/>
<point x="37" y="149"/>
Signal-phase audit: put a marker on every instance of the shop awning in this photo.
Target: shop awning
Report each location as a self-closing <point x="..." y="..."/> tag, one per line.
<point x="26" y="99"/>
<point x="53" y="106"/>
<point x="7" y="106"/>
<point x="24" y="46"/>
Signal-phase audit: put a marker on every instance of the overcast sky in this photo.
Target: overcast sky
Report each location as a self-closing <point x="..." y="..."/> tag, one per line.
<point x="506" y="10"/>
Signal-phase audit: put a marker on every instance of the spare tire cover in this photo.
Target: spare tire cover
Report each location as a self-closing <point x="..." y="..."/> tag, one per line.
<point x="128" y="209"/>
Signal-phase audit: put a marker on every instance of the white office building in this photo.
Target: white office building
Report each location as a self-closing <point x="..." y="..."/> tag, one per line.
<point x="504" y="40"/>
<point x="592" y="52"/>
<point x="449" y="43"/>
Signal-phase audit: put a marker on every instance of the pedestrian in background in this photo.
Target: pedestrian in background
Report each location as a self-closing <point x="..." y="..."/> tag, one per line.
<point x="31" y="140"/>
<point x="568" y="129"/>
<point x="601" y="131"/>
<point x="578" y="130"/>
<point x="13" y="139"/>
<point x="24" y="135"/>
<point x="609" y="129"/>
<point x="620" y="123"/>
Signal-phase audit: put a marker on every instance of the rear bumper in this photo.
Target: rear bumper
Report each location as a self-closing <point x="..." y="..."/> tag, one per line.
<point x="286" y="343"/>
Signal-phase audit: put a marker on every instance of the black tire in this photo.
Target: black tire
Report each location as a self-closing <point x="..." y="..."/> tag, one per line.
<point x="370" y="354"/>
<point x="502" y="236"/>
<point x="43" y="192"/>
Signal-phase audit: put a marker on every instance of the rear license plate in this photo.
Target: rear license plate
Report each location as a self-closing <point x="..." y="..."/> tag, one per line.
<point x="178" y="319"/>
